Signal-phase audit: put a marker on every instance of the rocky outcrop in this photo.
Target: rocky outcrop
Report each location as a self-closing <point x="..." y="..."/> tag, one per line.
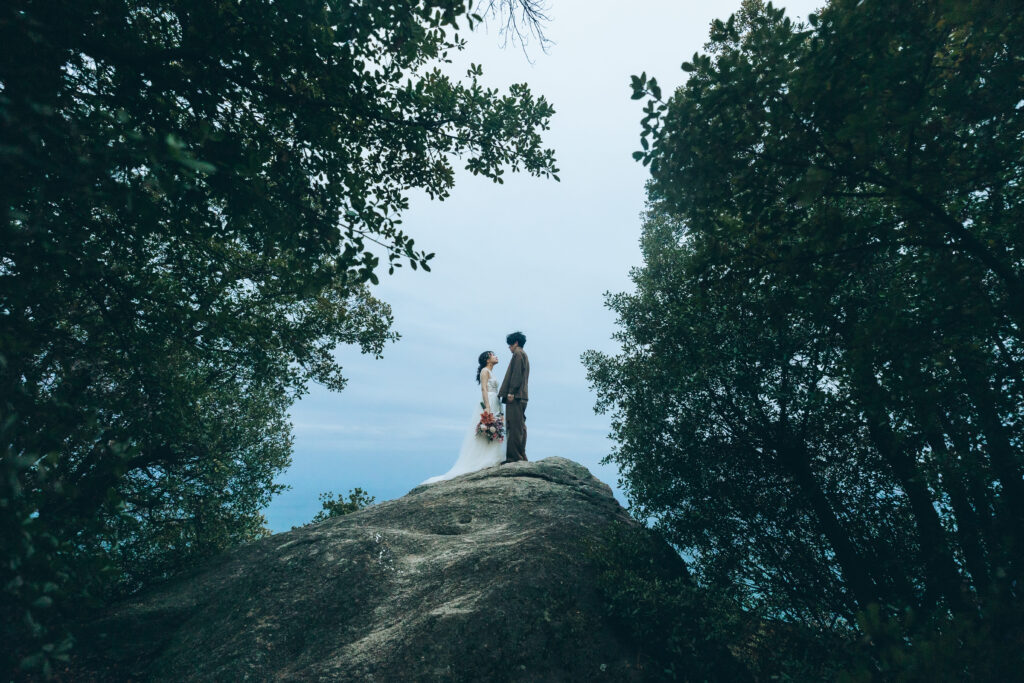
<point x="487" y="577"/>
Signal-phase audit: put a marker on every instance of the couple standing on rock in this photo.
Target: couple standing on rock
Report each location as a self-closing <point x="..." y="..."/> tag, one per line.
<point x="477" y="450"/>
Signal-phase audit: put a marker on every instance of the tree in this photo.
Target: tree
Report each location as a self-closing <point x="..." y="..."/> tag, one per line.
<point x="336" y="507"/>
<point x="196" y="195"/>
<point x="819" y="392"/>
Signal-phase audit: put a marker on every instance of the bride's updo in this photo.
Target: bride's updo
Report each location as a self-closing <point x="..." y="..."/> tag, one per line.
<point x="482" y="360"/>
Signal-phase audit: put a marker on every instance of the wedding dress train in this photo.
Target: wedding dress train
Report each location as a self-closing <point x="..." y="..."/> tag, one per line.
<point x="477" y="452"/>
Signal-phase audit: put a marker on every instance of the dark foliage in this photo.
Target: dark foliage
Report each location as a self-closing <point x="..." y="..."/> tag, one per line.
<point x="338" y="506"/>
<point x="679" y="630"/>
<point x="196" y="195"/>
<point x="819" y="395"/>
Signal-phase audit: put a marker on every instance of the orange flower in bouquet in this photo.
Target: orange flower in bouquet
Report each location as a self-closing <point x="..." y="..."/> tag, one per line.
<point x="491" y="426"/>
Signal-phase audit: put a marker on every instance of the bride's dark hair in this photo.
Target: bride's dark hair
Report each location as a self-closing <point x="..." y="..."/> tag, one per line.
<point x="482" y="360"/>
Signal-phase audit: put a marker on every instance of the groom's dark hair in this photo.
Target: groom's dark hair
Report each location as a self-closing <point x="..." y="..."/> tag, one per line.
<point x="516" y="337"/>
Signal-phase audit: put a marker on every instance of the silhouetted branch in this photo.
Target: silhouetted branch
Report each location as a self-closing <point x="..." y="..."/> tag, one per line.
<point x="519" y="20"/>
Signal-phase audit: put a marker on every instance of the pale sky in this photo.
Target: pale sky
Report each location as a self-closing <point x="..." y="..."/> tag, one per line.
<point x="532" y="255"/>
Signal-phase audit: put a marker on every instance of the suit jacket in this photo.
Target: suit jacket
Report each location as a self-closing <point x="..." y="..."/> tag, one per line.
<point x="517" y="378"/>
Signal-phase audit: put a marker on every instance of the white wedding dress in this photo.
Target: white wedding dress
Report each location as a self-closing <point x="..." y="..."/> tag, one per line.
<point x="477" y="452"/>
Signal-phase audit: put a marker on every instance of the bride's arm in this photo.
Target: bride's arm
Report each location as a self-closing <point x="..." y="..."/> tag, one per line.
<point x="485" y="376"/>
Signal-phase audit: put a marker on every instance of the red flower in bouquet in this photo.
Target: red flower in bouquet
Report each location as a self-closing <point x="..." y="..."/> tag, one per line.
<point x="491" y="426"/>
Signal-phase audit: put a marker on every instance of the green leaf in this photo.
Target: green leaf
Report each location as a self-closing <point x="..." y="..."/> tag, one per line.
<point x="196" y="165"/>
<point x="655" y="89"/>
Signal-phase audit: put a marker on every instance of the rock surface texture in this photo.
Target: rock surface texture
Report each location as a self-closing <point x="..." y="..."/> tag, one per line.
<point x="487" y="577"/>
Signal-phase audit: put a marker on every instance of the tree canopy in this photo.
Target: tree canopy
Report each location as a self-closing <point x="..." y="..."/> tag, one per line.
<point x="819" y="391"/>
<point x="337" y="506"/>
<point x="197" y="195"/>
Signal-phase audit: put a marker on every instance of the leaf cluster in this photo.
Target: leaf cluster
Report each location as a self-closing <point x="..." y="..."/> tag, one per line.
<point x="680" y="632"/>
<point x="336" y="506"/>
<point x="196" y="197"/>
<point x="819" y="392"/>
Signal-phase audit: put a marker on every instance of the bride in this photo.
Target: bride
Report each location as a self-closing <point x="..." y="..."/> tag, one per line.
<point x="477" y="452"/>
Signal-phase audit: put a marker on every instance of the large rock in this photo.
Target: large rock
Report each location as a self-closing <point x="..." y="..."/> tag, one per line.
<point x="487" y="577"/>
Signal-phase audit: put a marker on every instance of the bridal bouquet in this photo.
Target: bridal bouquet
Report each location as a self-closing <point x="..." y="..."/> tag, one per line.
<point x="491" y="427"/>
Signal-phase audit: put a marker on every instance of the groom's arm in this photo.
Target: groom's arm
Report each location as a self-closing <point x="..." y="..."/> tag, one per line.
<point x="503" y="389"/>
<point x="515" y="375"/>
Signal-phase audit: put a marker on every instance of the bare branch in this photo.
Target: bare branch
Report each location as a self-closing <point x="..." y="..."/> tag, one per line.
<point x="518" y="21"/>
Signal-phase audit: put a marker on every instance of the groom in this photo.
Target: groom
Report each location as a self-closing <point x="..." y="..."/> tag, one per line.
<point x="514" y="394"/>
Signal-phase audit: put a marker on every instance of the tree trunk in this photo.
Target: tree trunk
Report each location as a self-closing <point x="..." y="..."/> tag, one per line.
<point x="1004" y="460"/>
<point x="942" y="576"/>
<point x="977" y="479"/>
<point x="795" y="461"/>
<point x="968" y="527"/>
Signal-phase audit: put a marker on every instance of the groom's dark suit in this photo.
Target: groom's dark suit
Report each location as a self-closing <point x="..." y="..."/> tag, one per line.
<point x="516" y="382"/>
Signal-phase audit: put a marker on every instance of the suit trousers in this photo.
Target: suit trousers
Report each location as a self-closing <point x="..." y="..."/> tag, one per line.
<point x="515" y="430"/>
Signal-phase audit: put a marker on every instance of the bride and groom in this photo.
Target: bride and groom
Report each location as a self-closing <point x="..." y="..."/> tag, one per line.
<point x="507" y="401"/>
